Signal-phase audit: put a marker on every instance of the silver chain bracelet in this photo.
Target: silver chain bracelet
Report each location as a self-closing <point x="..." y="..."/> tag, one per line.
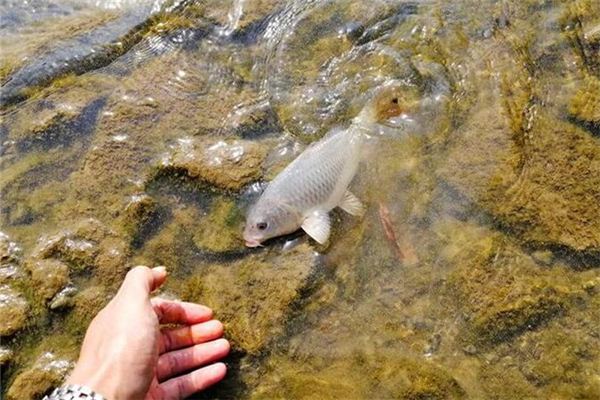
<point x="73" y="392"/>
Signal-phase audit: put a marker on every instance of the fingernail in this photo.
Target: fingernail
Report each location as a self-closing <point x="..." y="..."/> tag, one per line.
<point x="161" y="269"/>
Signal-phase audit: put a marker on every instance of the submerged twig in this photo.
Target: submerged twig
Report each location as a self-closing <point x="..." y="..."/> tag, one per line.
<point x="404" y="251"/>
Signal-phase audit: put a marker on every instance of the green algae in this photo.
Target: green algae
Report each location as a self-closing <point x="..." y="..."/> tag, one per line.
<point x="255" y="304"/>
<point x="501" y="291"/>
<point x="585" y="104"/>
<point x="221" y="231"/>
<point x="362" y="375"/>
<point x="540" y="198"/>
<point x="50" y="359"/>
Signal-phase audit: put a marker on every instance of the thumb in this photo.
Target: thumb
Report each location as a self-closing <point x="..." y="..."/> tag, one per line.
<point x="144" y="280"/>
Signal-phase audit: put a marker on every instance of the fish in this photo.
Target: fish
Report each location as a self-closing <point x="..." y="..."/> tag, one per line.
<point x="317" y="181"/>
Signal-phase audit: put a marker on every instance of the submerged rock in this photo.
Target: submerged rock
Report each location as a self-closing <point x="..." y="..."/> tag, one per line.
<point x="363" y="374"/>
<point x="86" y="304"/>
<point x="14" y="311"/>
<point x="38" y="34"/>
<point x="62" y="114"/>
<point x="234" y="16"/>
<point x="89" y="50"/>
<point x="47" y="373"/>
<point x="500" y="291"/>
<point x="221" y="230"/>
<point x="89" y="246"/>
<point x="48" y="277"/>
<point x="225" y="165"/>
<point x="140" y="214"/>
<point x="544" y="184"/>
<point x="10" y="252"/>
<point x="253" y="296"/>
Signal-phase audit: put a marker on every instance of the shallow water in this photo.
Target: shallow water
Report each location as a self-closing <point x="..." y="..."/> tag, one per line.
<point x="137" y="132"/>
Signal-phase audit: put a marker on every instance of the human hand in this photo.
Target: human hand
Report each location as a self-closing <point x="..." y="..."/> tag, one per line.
<point x="125" y="354"/>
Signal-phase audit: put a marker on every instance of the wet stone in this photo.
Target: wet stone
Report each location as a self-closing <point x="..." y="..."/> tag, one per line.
<point x="366" y="374"/>
<point x="47" y="372"/>
<point x="225" y="165"/>
<point x="62" y="114"/>
<point x="9" y="250"/>
<point x="13" y="311"/>
<point x="235" y="15"/>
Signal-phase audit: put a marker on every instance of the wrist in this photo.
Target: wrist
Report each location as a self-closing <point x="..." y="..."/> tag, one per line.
<point x="74" y="392"/>
<point x="96" y="380"/>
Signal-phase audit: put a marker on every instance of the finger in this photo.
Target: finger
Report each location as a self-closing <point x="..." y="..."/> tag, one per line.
<point x="144" y="280"/>
<point x="173" y="339"/>
<point x="178" y="312"/>
<point x="160" y="276"/>
<point x="178" y="361"/>
<point x="200" y="379"/>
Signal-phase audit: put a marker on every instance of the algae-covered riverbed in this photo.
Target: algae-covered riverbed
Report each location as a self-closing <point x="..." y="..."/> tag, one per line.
<point x="139" y="131"/>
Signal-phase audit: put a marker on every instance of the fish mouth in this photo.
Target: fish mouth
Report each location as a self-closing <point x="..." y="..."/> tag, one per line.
<point x="253" y="243"/>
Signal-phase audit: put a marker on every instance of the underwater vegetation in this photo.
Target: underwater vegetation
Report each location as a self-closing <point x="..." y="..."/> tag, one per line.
<point x="141" y="134"/>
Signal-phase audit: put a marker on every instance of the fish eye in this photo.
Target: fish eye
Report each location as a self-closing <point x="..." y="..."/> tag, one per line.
<point x="395" y="100"/>
<point x="261" y="226"/>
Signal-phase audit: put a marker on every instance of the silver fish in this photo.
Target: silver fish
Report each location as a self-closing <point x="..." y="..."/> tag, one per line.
<point x="316" y="182"/>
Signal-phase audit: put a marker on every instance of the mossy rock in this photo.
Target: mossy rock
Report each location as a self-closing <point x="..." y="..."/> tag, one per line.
<point x="250" y="12"/>
<point x="88" y="246"/>
<point x="223" y="165"/>
<point x="139" y="217"/>
<point x="87" y="304"/>
<point x="501" y="291"/>
<point x="47" y="372"/>
<point x="253" y="296"/>
<point x="221" y="230"/>
<point x="10" y="252"/>
<point x="59" y="115"/>
<point x="10" y="260"/>
<point x="25" y="44"/>
<point x="14" y="311"/>
<point x="361" y="375"/>
<point x="542" y="184"/>
<point x="585" y="104"/>
<point x="48" y="277"/>
<point x="553" y="360"/>
<point x="172" y="246"/>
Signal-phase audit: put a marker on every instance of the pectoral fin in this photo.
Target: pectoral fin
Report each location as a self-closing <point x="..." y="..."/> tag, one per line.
<point x="352" y="205"/>
<point x="317" y="226"/>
